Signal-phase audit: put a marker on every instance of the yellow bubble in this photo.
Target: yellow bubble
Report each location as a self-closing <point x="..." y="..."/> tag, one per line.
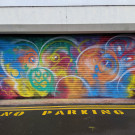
<point x="131" y="86"/>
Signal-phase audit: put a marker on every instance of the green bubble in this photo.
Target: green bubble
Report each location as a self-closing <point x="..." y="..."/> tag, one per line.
<point x="42" y="79"/>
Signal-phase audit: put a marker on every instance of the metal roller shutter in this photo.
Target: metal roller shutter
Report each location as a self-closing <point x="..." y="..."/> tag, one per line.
<point x="67" y="66"/>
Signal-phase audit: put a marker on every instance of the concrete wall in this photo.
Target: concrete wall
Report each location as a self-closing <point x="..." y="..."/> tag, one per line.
<point x="92" y="19"/>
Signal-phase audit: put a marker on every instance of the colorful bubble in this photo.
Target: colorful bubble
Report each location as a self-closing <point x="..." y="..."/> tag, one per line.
<point x="70" y="87"/>
<point x="127" y="81"/>
<point x="18" y="58"/>
<point x="97" y="65"/>
<point x="41" y="79"/>
<point x="59" y="55"/>
<point x="120" y="45"/>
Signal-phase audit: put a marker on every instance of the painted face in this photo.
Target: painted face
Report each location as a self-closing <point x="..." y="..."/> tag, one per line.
<point x="120" y="45"/>
<point x="59" y="55"/>
<point x="41" y="79"/>
<point x="96" y="65"/>
<point x="18" y="59"/>
<point x="124" y="48"/>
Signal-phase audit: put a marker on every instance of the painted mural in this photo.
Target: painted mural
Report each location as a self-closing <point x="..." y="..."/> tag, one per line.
<point x="69" y="66"/>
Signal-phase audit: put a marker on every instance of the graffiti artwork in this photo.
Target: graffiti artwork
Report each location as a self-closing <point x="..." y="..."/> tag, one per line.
<point x="69" y="66"/>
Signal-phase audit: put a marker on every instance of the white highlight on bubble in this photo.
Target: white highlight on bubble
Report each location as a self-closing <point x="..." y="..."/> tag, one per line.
<point x="132" y="69"/>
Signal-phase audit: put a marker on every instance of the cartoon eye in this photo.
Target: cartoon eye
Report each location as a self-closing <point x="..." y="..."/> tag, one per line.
<point x="32" y="59"/>
<point x="55" y="57"/>
<point x="107" y="63"/>
<point x="128" y="58"/>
